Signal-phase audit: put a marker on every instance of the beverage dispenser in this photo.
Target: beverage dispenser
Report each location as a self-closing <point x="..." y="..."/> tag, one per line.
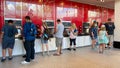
<point x="67" y="25"/>
<point x="86" y="28"/>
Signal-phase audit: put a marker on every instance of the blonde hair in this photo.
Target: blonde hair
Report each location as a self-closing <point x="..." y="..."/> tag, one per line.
<point x="103" y="28"/>
<point x="73" y="26"/>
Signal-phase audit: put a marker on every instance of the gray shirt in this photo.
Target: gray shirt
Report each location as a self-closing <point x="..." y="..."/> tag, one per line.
<point x="60" y="30"/>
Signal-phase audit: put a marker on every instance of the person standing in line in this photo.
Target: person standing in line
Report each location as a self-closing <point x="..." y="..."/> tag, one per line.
<point x="103" y="40"/>
<point x="29" y="32"/>
<point x="8" y="39"/>
<point x="110" y="30"/>
<point x="94" y="34"/>
<point x="45" y="37"/>
<point x="73" y="34"/>
<point x="59" y="37"/>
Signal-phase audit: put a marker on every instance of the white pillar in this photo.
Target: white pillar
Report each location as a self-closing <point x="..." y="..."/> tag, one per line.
<point x="117" y="21"/>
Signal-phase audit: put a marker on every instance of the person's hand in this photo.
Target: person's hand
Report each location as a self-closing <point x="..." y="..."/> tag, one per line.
<point x="49" y="39"/>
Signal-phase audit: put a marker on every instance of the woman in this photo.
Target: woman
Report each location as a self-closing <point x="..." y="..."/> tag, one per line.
<point x="73" y="33"/>
<point x="94" y="34"/>
<point x="103" y="40"/>
<point x="44" y="39"/>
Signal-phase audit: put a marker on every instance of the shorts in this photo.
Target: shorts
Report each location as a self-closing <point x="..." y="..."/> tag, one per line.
<point x="59" y="42"/>
<point x="44" y="41"/>
<point x="110" y="38"/>
<point x="72" y="41"/>
<point x="8" y="43"/>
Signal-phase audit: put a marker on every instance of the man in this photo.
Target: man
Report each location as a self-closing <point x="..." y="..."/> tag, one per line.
<point x="29" y="32"/>
<point x="110" y="30"/>
<point x="59" y="37"/>
<point x="8" y="39"/>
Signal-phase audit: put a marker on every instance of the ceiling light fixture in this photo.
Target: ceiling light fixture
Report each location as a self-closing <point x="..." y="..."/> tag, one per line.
<point x="101" y="0"/>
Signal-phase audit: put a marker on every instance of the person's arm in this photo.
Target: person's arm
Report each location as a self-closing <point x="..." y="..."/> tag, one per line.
<point x="16" y="31"/>
<point x="106" y="33"/>
<point x="75" y="32"/>
<point x="113" y="26"/>
<point x="56" y="29"/>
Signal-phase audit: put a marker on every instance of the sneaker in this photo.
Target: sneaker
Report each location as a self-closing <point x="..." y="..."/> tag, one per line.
<point x="25" y="62"/>
<point x="10" y="58"/>
<point x="3" y="59"/>
<point x="69" y="49"/>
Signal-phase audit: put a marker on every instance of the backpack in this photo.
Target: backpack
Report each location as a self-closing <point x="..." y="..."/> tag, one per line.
<point x="46" y="34"/>
<point x="33" y="30"/>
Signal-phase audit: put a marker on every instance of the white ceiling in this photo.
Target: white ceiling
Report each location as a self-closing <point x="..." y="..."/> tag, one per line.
<point x="106" y="3"/>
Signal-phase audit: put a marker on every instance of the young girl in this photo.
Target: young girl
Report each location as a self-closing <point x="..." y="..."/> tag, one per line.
<point x="44" y="41"/>
<point x="94" y="34"/>
<point x="73" y="35"/>
<point x="103" y="40"/>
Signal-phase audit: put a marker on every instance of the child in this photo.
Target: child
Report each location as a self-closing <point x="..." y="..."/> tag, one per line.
<point x="103" y="40"/>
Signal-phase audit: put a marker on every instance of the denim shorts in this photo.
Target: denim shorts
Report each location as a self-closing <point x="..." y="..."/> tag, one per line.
<point x="44" y="41"/>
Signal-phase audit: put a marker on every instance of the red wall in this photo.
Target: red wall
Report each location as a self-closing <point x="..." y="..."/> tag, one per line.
<point x="53" y="9"/>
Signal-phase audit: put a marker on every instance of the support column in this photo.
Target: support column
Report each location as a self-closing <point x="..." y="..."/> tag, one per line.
<point x="117" y="21"/>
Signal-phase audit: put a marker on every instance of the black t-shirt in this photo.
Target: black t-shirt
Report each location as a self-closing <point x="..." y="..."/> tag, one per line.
<point x="110" y="28"/>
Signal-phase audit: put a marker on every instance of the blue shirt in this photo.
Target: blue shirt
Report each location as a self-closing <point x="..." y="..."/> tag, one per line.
<point x="26" y="31"/>
<point x="95" y="31"/>
<point x="9" y="33"/>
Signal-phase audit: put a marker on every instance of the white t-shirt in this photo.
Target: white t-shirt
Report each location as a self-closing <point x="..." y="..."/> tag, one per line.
<point x="72" y="35"/>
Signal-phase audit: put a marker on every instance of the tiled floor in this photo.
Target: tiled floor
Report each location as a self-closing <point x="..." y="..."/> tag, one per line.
<point x="82" y="58"/>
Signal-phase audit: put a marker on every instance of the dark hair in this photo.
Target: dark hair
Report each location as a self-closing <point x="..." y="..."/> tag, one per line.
<point x="27" y="17"/>
<point x="58" y="20"/>
<point x="109" y="19"/>
<point x="10" y="21"/>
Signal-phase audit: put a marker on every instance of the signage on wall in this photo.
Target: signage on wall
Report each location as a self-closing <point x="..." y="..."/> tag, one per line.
<point x="9" y="9"/>
<point x="93" y="14"/>
<point x="66" y="12"/>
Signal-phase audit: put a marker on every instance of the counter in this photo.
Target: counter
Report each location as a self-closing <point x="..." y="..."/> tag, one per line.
<point x="19" y="48"/>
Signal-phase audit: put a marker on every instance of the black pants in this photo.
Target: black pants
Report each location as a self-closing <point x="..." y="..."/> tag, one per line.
<point x="72" y="41"/>
<point x="30" y="51"/>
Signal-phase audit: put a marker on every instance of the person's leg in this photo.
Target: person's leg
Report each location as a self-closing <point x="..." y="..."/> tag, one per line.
<point x="100" y="48"/>
<point x="42" y="49"/>
<point x="70" y="45"/>
<point x="93" y="43"/>
<point x="111" y="41"/>
<point x="28" y="51"/>
<point x="32" y="50"/>
<point x="61" y="42"/>
<point x="42" y="41"/>
<point x="47" y="47"/>
<point x="4" y="53"/>
<point x="10" y="52"/>
<point x="58" y="47"/>
<point x="24" y="56"/>
<point x="103" y="47"/>
<point x="74" y="41"/>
